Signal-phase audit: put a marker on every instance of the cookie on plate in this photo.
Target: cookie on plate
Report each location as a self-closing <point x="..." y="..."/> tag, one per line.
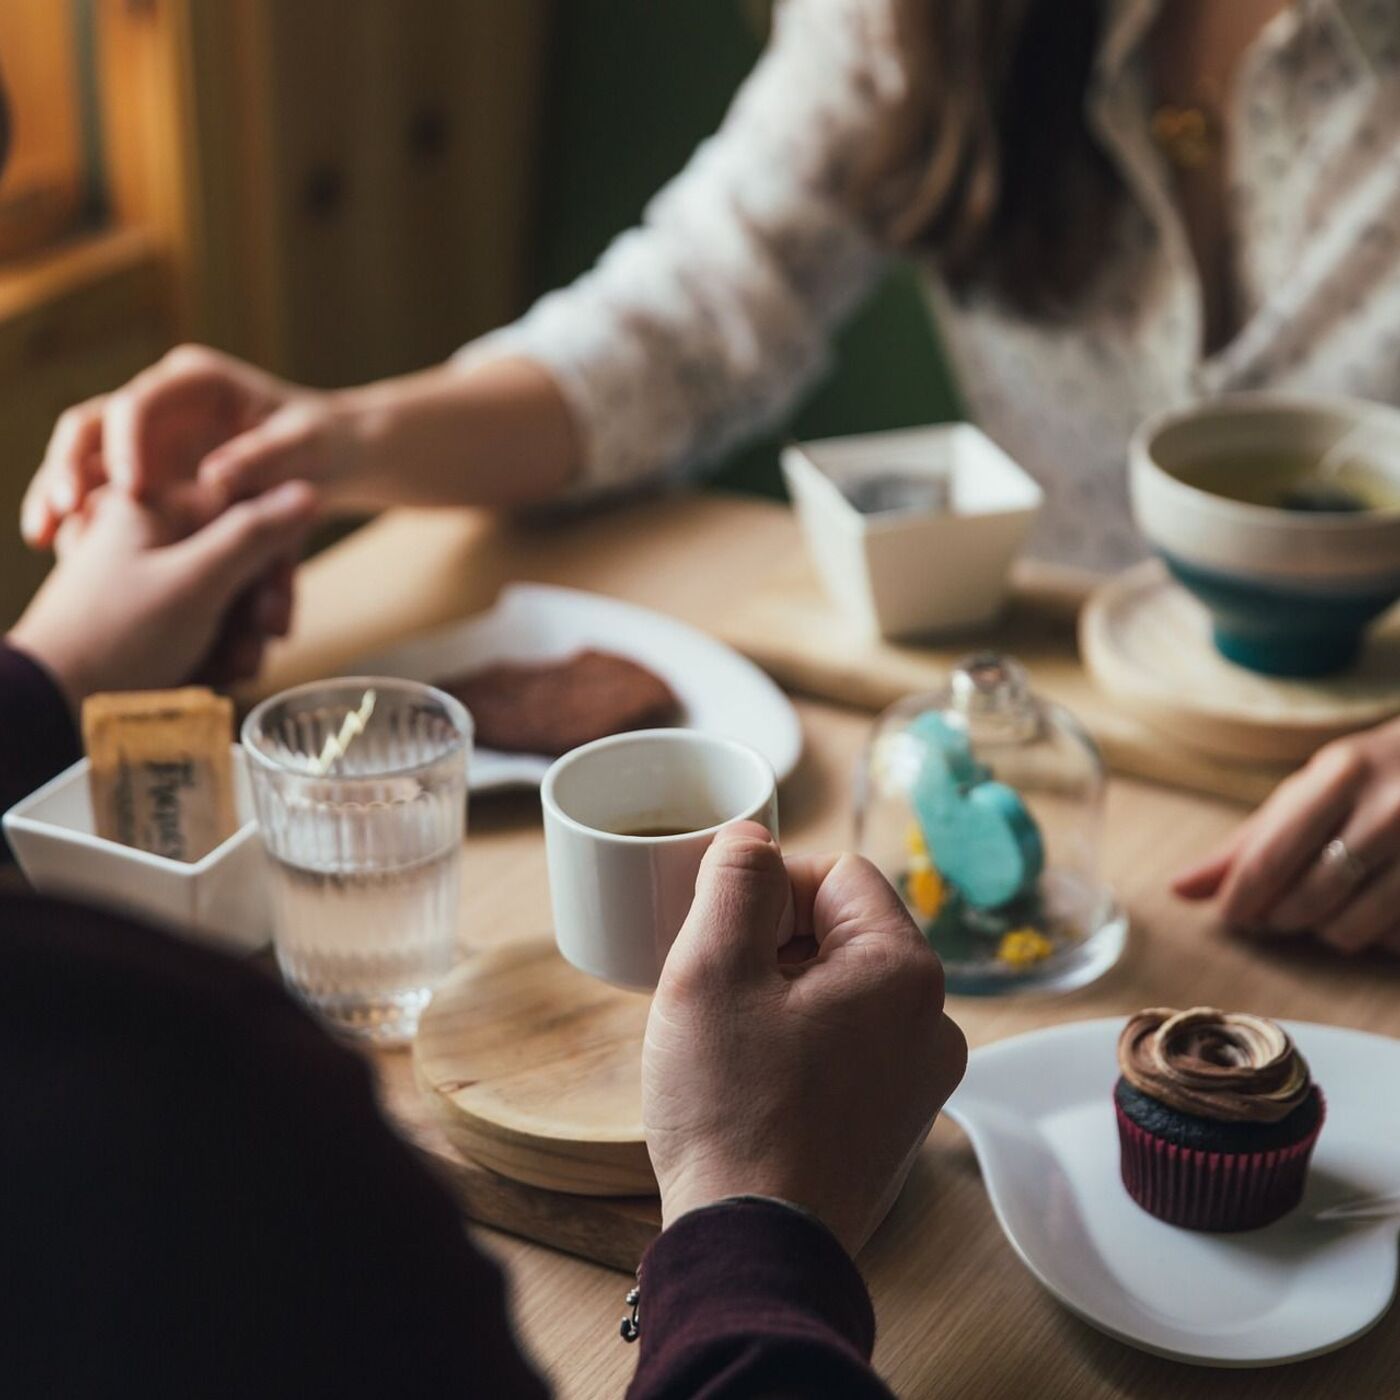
<point x="554" y="706"/>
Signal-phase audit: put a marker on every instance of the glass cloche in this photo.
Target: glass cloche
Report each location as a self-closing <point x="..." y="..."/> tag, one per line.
<point x="983" y="805"/>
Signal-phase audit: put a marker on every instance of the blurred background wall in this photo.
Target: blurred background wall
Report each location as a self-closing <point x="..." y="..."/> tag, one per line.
<point x="342" y="189"/>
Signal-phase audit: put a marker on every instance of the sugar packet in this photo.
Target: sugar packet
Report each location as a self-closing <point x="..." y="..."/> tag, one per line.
<point x="159" y="770"/>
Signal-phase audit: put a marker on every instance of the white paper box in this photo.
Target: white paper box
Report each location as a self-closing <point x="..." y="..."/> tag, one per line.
<point x="221" y="900"/>
<point x="902" y="574"/>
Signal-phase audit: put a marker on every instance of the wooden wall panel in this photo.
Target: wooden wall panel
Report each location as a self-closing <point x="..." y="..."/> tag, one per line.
<point x="343" y="190"/>
<point x="150" y="156"/>
<point x="41" y="186"/>
<point x="395" y="145"/>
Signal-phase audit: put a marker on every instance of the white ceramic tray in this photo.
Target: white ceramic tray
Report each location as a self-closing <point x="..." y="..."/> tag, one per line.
<point x="221" y="899"/>
<point x="720" y="692"/>
<point x="1038" y="1109"/>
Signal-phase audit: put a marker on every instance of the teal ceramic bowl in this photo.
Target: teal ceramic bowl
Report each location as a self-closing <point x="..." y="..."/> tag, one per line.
<point x="1290" y="593"/>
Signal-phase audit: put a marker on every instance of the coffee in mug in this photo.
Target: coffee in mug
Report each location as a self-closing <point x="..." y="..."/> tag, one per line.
<point x="630" y="830"/>
<point x="627" y="821"/>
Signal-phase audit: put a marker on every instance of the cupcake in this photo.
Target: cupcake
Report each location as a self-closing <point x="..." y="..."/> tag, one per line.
<point x="1217" y="1118"/>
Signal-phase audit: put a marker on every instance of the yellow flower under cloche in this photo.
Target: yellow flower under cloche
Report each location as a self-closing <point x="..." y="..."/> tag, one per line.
<point x="1024" y="946"/>
<point x="922" y="882"/>
<point x="926" y="889"/>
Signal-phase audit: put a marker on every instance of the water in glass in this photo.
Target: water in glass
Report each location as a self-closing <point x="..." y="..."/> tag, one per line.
<point x="364" y="840"/>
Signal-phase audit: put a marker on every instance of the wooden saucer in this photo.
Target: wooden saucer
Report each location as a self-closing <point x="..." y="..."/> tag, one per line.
<point x="534" y="1069"/>
<point x="1147" y="643"/>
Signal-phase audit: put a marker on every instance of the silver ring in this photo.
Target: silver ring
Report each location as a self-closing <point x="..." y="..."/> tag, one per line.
<point x="1338" y="856"/>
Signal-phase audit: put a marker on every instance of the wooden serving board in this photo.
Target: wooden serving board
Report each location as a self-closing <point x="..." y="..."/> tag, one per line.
<point x="1147" y="643"/>
<point x="788" y="627"/>
<point x="534" y="1070"/>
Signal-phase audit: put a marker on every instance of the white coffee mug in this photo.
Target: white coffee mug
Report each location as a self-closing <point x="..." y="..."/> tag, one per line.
<point x="626" y="822"/>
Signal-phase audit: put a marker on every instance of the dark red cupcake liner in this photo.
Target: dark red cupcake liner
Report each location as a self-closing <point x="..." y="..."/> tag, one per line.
<point x="1213" y="1190"/>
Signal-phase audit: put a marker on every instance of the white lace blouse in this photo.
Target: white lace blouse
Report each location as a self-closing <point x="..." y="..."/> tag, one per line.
<point x="706" y="323"/>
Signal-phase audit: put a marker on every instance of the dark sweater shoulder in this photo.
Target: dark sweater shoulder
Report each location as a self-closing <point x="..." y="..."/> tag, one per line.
<point x="38" y="738"/>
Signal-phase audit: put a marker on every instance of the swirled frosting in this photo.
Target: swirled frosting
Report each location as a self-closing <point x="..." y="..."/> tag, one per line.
<point x="1234" y="1068"/>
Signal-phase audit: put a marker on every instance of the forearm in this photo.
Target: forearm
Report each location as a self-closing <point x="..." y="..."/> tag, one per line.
<point x="495" y="434"/>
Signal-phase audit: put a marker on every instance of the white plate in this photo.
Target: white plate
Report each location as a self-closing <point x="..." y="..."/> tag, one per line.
<point x="720" y="692"/>
<point x="1039" y="1111"/>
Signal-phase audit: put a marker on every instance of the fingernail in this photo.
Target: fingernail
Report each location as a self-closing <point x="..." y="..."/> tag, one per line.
<point x="291" y="495"/>
<point x="65" y="496"/>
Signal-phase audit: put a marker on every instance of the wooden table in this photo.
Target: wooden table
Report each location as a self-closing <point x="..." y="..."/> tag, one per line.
<point x="959" y="1315"/>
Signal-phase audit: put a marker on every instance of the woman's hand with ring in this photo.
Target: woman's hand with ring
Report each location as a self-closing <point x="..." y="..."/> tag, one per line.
<point x="1322" y="855"/>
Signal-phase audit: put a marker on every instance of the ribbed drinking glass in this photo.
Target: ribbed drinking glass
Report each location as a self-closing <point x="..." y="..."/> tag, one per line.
<point x="360" y="786"/>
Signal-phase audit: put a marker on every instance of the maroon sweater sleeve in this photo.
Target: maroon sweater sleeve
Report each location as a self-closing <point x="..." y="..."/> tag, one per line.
<point x="751" y="1298"/>
<point x="38" y="738"/>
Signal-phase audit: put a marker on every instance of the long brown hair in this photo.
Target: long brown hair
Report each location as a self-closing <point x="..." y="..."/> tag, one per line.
<point x="988" y="163"/>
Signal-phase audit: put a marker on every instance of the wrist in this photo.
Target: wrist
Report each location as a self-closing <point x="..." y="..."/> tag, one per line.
<point x="690" y="1194"/>
<point x="360" y="432"/>
<point x="751" y="1198"/>
<point x="402" y="441"/>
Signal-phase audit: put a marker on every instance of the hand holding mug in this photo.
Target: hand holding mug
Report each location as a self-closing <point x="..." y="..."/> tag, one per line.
<point x="808" y="1068"/>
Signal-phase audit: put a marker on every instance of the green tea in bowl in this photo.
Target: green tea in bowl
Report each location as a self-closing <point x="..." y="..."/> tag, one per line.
<point x="1296" y="481"/>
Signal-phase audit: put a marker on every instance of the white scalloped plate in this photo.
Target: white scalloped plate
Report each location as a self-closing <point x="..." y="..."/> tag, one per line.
<point x="1038" y="1109"/>
<point x="720" y="691"/>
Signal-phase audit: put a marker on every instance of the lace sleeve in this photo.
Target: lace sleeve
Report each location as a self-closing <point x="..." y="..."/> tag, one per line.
<point x="703" y="325"/>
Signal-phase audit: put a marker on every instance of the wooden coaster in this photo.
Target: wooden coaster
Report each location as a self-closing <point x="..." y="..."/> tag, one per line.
<point x="610" y="1230"/>
<point x="534" y="1069"/>
<point x="1147" y="643"/>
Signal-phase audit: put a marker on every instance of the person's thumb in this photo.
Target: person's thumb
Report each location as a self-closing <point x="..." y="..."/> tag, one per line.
<point x="274" y="452"/>
<point x="742" y="911"/>
<point x="229" y="553"/>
